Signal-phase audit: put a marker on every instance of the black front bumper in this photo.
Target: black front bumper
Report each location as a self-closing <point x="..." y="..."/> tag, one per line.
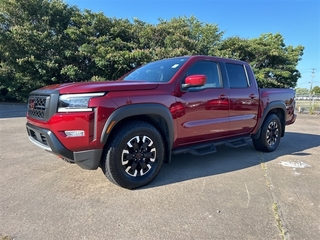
<point x="44" y="138"/>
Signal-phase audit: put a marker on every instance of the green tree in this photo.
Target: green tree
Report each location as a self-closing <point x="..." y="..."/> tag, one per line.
<point x="274" y="63"/>
<point x="116" y="46"/>
<point x="316" y="90"/>
<point x="45" y="42"/>
<point x="190" y="34"/>
<point x="33" y="45"/>
<point x="302" y="91"/>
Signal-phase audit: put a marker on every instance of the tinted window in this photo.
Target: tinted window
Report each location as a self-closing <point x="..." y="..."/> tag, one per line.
<point x="210" y="70"/>
<point x="159" y="71"/>
<point x="237" y="76"/>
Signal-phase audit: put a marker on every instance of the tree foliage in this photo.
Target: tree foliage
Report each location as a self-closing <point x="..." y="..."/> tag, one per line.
<point x="45" y="42"/>
<point x="273" y="62"/>
<point x="302" y="91"/>
<point x="33" y="45"/>
<point x="316" y="90"/>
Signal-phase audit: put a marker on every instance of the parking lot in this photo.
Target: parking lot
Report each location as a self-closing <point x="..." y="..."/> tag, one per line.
<point x="236" y="193"/>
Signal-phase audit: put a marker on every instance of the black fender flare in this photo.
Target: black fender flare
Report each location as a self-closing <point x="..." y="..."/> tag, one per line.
<point x="141" y="109"/>
<point x="273" y="105"/>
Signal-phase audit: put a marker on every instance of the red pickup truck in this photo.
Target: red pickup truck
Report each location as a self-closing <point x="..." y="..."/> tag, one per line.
<point x="180" y="105"/>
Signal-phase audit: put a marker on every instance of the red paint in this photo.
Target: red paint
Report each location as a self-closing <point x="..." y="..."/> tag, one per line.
<point x="210" y="114"/>
<point x="196" y="80"/>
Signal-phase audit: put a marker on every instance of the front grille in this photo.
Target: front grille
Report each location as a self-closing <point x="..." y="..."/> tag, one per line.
<point x="37" y="106"/>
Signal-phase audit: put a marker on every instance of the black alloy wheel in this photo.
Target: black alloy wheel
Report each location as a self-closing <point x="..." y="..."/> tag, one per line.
<point x="270" y="134"/>
<point x="134" y="155"/>
<point x="139" y="156"/>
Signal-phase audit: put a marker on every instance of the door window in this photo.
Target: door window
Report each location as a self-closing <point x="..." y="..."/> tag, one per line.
<point x="210" y="70"/>
<point x="237" y="76"/>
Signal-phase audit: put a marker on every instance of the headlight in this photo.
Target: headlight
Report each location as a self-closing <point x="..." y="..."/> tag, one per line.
<point x="76" y="102"/>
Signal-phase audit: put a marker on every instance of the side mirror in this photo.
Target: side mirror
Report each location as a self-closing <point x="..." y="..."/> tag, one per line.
<point x="194" y="81"/>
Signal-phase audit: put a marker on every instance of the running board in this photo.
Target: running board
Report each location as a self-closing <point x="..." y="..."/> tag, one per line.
<point x="208" y="148"/>
<point x="197" y="150"/>
<point x="236" y="143"/>
<point x="202" y="150"/>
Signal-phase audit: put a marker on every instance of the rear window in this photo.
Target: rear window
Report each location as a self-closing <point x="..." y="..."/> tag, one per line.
<point x="237" y="76"/>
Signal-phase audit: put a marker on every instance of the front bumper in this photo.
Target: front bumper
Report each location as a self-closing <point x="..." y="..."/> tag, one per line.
<point x="44" y="138"/>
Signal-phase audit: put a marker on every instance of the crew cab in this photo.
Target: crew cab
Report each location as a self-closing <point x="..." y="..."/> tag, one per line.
<point x="129" y="127"/>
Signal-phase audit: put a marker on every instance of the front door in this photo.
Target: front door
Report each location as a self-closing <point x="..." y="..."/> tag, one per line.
<point x="205" y="109"/>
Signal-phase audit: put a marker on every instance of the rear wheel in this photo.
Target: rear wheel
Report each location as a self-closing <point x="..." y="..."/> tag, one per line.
<point x="134" y="156"/>
<point x="270" y="135"/>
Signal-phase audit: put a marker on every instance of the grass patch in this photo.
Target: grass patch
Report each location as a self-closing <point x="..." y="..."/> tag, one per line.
<point x="275" y="207"/>
<point x="278" y="220"/>
<point x="5" y="237"/>
<point x="310" y="107"/>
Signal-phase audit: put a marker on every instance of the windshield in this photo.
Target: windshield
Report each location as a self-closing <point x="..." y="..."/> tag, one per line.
<point x="159" y="71"/>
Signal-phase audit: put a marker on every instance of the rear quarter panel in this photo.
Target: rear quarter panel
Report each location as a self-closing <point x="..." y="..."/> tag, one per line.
<point x="269" y="95"/>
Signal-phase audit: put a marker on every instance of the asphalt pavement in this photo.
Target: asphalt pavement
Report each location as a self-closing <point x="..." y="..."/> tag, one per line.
<point x="236" y="193"/>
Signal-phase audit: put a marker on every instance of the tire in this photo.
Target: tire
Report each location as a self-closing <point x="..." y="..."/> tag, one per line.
<point x="134" y="156"/>
<point x="270" y="135"/>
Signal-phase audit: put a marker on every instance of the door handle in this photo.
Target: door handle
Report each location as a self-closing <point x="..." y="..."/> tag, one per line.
<point x="252" y="96"/>
<point x="222" y="97"/>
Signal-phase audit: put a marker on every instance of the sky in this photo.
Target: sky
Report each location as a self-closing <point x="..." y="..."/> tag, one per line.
<point x="298" y="21"/>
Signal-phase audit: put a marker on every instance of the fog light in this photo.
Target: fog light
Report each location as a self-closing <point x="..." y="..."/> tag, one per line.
<point x="74" y="133"/>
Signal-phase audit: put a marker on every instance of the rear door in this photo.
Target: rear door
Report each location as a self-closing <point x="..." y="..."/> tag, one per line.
<point x="244" y="99"/>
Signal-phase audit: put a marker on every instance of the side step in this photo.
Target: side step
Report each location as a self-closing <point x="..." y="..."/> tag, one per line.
<point x="236" y="143"/>
<point x="202" y="150"/>
<point x="197" y="150"/>
<point x="208" y="148"/>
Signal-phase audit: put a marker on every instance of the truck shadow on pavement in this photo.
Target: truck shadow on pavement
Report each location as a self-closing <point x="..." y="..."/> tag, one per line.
<point x="187" y="167"/>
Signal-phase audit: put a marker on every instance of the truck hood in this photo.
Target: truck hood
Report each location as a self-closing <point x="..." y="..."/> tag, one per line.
<point x="107" y="86"/>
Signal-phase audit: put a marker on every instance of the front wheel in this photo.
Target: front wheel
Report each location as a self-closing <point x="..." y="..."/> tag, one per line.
<point x="270" y="135"/>
<point x="134" y="156"/>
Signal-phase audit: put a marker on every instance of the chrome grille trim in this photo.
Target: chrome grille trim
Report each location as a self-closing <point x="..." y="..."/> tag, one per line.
<point x="95" y="124"/>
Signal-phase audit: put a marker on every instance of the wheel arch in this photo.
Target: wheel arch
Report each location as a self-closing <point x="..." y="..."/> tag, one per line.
<point x="156" y="114"/>
<point x="279" y="109"/>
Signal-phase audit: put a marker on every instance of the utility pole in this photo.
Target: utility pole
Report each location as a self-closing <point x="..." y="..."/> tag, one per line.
<point x="312" y="76"/>
<point x="311" y="98"/>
